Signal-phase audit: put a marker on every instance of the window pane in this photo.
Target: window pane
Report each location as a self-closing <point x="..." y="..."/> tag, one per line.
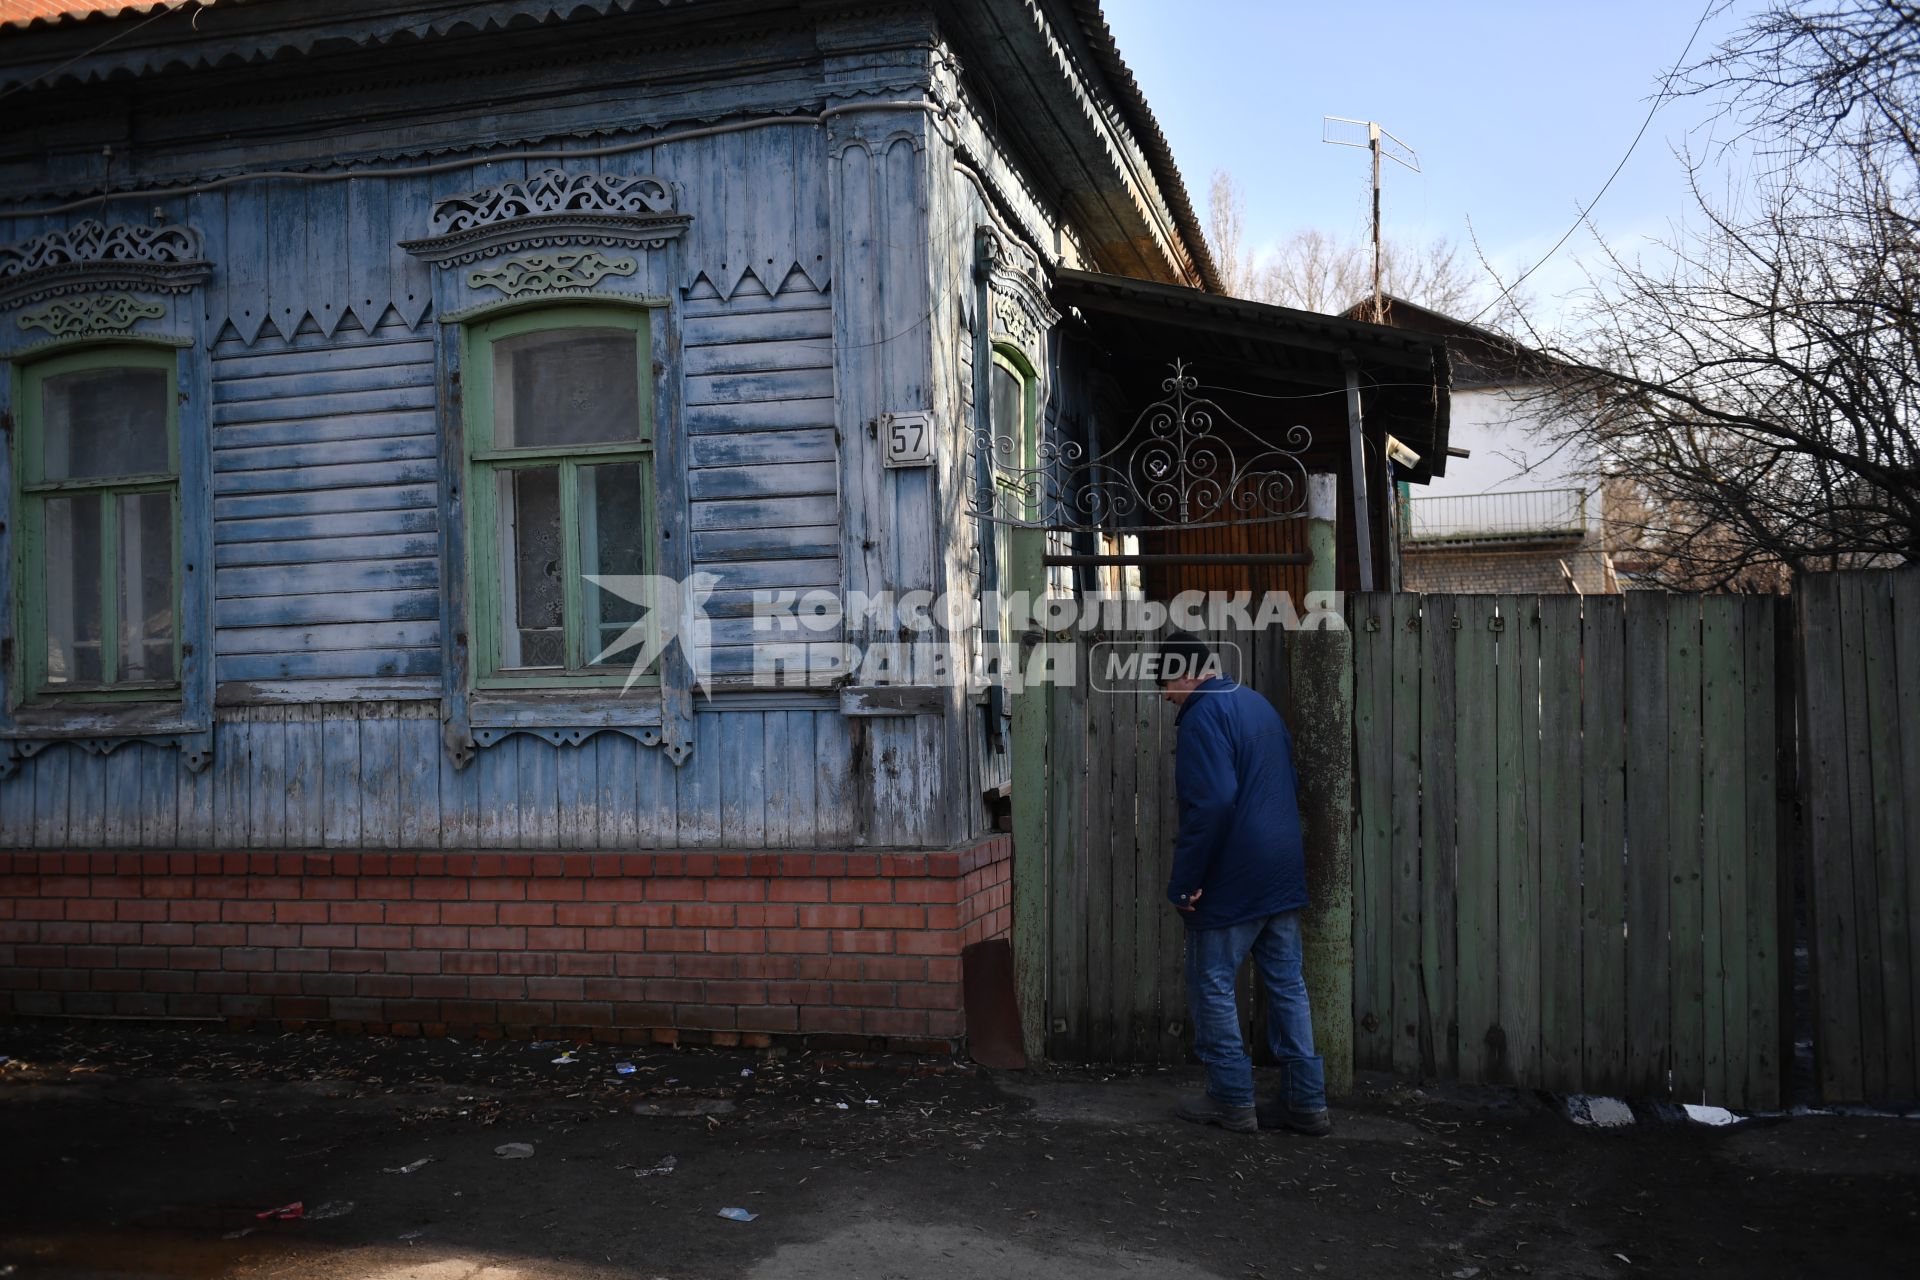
<point x="73" y="591"/>
<point x="1006" y="405"/>
<point x="146" y="587"/>
<point x="533" y="559"/>
<point x="564" y="387"/>
<point x="613" y="541"/>
<point x="104" y="422"/>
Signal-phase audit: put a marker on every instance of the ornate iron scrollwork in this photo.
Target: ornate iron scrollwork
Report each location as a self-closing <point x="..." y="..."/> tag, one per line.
<point x="1175" y="467"/>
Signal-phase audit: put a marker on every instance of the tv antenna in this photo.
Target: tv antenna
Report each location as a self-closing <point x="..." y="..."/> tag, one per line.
<point x="1379" y="142"/>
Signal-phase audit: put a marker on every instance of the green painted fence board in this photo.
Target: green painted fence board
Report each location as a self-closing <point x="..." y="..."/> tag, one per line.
<point x="1477" y="881"/>
<point x="1723" y="846"/>
<point x="1100" y="854"/>
<point x="1649" y="941"/>
<point x="1439" y="1035"/>
<point x="1371" y="620"/>
<point x="1558" y="826"/>
<point x="1906" y="663"/>
<point x="1829" y="839"/>
<point x="1404" y="840"/>
<point x="1860" y="868"/>
<point x="1764" y="926"/>
<point x="1517" y="713"/>
<point x="1067" y="854"/>
<point x="1888" y="824"/>
<point x="1687" y="964"/>
<point x="1603" y="897"/>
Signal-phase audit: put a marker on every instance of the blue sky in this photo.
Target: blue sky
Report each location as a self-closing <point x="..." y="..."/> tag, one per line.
<point x="1518" y="111"/>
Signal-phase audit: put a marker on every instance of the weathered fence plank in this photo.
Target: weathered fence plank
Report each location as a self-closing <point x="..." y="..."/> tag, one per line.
<point x="1687" y="965"/>
<point x="1404" y="838"/>
<point x="1100" y="844"/>
<point x="1478" y="872"/>
<point x="1723" y="846"/>
<point x="1649" y="946"/>
<point x="1558" y="824"/>
<point x="1372" y="622"/>
<point x="1768" y="932"/>
<point x="1439" y="1042"/>
<point x="1603" y="893"/>
<point x="1906" y="661"/>
<point x="1859" y="778"/>
<point x="1067" y="879"/>
<point x="1836" y="982"/>
<point x="1517" y="711"/>
<point x="1888" y="825"/>
<point x="1861" y="869"/>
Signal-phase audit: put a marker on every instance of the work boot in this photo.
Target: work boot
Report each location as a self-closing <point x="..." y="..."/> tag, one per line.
<point x="1276" y="1114"/>
<point x="1205" y="1109"/>
<point x="1300" y="1103"/>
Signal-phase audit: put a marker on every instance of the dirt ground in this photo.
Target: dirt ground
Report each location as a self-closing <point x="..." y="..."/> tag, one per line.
<point x="143" y="1152"/>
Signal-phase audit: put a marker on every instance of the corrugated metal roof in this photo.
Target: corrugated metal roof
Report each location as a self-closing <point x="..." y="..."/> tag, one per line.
<point x="54" y="13"/>
<point x="1133" y="105"/>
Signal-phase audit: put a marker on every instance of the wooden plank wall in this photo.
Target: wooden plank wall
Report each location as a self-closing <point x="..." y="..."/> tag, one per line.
<point x="326" y="485"/>
<point x="371" y="775"/>
<point x="1115" y="991"/>
<point x="1566" y="864"/>
<point x="762" y="479"/>
<point x="1860" y="785"/>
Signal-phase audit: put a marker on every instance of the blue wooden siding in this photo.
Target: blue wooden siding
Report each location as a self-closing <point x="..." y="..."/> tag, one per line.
<point x="762" y="480"/>
<point x="372" y="776"/>
<point x="325" y="486"/>
<point x="802" y="293"/>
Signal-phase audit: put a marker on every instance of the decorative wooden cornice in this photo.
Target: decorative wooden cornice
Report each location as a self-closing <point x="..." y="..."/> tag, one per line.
<point x="90" y="314"/>
<point x="1018" y="298"/>
<point x="546" y="272"/>
<point x="552" y="209"/>
<point x="91" y="255"/>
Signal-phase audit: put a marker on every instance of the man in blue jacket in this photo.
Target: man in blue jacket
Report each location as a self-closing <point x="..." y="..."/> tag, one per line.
<point x="1240" y="880"/>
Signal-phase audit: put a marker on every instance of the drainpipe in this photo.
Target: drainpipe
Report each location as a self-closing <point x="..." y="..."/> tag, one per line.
<point x="1322" y="722"/>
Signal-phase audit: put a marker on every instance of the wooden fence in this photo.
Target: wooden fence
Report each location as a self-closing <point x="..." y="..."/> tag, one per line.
<point x="1566" y="870"/>
<point x="1114" y="986"/>
<point x="1860" y="677"/>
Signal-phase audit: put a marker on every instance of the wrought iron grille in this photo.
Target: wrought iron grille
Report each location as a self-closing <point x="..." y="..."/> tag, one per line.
<point x="1174" y="467"/>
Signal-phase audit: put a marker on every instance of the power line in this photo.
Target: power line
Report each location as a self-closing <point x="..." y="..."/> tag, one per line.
<point x="1660" y="100"/>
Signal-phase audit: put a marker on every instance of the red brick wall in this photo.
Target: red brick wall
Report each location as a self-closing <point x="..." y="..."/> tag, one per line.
<point x="722" y="948"/>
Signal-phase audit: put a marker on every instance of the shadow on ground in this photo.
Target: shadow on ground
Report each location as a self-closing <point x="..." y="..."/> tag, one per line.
<point x="138" y="1152"/>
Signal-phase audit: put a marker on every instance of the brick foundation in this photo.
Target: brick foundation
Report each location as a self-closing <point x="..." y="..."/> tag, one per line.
<point x="720" y="948"/>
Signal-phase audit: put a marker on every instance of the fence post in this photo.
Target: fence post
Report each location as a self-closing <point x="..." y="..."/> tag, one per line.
<point x="1322" y="680"/>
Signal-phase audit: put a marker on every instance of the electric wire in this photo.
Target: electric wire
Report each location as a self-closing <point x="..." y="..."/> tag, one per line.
<point x="1659" y="100"/>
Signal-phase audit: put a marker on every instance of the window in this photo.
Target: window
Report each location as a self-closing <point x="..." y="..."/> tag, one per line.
<point x="560" y="487"/>
<point x="99" y="499"/>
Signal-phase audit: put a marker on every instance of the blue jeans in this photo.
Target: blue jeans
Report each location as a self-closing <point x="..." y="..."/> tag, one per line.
<point x="1214" y="957"/>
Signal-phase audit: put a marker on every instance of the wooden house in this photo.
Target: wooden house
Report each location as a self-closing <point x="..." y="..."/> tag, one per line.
<point x="352" y="355"/>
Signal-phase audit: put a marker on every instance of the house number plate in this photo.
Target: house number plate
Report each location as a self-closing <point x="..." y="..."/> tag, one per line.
<point x="909" y="438"/>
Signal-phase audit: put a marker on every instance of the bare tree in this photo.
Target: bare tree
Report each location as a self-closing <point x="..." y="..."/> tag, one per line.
<point x="1758" y="385"/>
<point x="1314" y="271"/>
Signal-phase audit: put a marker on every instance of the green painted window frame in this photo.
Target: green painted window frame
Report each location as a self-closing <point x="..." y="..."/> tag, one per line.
<point x="1015" y="362"/>
<point x="485" y="462"/>
<point x="31" y="494"/>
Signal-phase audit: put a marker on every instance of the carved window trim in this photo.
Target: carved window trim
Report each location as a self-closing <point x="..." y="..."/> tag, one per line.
<point x="554" y="242"/>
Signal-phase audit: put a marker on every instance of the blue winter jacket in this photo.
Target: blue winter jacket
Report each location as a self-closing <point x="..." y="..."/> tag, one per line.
<point x="1239" y="839"/>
